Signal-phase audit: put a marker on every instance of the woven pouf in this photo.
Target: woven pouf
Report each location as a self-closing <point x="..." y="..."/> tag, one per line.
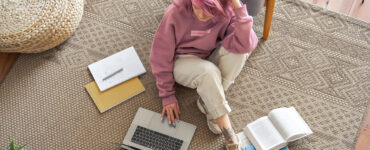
<point x="30" y="26"/>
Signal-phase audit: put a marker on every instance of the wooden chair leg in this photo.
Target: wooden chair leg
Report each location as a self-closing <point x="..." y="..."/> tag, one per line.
<point x="270" y="4"/>
<point x="6" y="62"/>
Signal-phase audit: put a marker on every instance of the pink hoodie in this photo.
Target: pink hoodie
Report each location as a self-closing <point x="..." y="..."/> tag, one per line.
<point x="180" y="32"/>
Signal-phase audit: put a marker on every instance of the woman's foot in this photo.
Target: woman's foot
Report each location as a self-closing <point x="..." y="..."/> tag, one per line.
<point x="212" y="125"/>
<point x="233" y="147"/>
<point x="231" y="140"/>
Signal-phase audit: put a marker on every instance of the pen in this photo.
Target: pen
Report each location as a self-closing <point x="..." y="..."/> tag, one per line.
<point x="114" y="73"/>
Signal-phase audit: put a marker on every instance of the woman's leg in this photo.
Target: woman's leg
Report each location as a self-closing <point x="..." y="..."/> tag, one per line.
<point x="205" y="76"/>
<point x="227" y="130"/>
<point x="194" y="72"/>
<point x="229" y="64"/>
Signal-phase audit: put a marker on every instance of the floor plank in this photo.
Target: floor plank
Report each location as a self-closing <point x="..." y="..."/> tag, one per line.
<point x="353" y="8"/>
<point x="341" y="6"/>
<point x="6" y="62"/>
<point x="363" y="140"/>
<point x="366" y="120"/>
<point x="361" y="10"/>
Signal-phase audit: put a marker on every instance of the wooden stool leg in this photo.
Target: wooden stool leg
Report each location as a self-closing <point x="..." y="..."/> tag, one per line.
<point x="270" y="4"/>
<point x="6" y="62"/>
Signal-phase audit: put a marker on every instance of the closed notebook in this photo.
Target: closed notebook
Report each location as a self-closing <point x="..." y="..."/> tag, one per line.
<point x="115" y="95"/>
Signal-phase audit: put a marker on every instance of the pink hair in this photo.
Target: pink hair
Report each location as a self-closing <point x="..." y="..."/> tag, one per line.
<point x="212" y="7"/>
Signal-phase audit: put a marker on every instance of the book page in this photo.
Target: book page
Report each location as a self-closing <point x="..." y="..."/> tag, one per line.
<point x="289" y="123"/>
<point x="245" y="144"/>
<point x="263" y="134"/>
<point x="244" y="141"/>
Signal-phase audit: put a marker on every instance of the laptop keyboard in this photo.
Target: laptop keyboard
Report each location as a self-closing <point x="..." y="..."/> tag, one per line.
<point x="155" y="140"/>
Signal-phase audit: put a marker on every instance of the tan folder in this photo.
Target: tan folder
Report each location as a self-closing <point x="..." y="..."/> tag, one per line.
<point x="115" y="95"/>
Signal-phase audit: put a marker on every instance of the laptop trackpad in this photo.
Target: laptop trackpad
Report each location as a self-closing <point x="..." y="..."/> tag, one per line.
<point x="161" y="126"/>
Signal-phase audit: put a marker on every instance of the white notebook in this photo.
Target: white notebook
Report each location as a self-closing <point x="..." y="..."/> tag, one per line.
<point x="116" y="68"/>
<point x="274" y="131"/>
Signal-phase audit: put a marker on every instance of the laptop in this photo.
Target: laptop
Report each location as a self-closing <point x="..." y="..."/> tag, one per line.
<point x="148" y="131"/>
<point x="116" y="68"/>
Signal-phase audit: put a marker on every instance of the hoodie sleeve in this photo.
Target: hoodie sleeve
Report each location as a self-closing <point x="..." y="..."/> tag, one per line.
<point x="240" y="37"/>
<point x="162" y="58"/>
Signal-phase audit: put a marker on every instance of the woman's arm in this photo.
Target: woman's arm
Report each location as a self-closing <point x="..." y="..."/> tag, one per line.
<point x="240" y="37"/>
<point x="236" y="3"/>
<point x="162" y="59"/>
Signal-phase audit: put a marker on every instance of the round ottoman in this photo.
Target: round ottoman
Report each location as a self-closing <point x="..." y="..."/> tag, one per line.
<point x="30" y="26"/>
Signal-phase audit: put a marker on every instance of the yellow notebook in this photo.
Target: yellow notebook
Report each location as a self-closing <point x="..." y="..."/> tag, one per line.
<point x="115" y="95"/>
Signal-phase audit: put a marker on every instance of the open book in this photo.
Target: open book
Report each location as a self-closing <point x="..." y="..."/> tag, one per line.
<point x="274" y="131"/>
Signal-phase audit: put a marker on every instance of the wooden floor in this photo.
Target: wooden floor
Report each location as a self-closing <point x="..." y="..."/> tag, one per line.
<point x="6" y="62"/>
<point x="363" y="141"/>
<point x="359" y="9"/>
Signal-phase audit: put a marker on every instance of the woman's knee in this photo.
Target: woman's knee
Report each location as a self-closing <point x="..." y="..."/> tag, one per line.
<point x="234" y="57"/>
<point x="210" y="70"/>
<point x="194" y="73"/>
<point x="241" y="57"/>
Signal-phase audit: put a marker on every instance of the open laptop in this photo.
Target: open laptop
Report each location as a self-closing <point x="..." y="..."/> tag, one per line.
<point x="116" y="68"/>
<point x="148" y="131"/>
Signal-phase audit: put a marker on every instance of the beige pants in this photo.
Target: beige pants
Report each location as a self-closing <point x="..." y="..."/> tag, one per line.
<point x="210" y="77"/>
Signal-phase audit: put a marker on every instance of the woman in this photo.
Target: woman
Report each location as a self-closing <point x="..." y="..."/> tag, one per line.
<point x="202" y="44"/>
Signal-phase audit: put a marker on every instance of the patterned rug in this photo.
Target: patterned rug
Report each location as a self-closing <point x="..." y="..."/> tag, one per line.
<point x="315" y="60"/>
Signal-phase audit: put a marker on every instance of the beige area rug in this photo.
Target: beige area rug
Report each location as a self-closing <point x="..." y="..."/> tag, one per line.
<point x="315" y="60"/>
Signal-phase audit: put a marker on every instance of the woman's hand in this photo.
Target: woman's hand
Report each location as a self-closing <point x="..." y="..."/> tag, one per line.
<point x="172" y="111"/>
<point x="236" y="3"/>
